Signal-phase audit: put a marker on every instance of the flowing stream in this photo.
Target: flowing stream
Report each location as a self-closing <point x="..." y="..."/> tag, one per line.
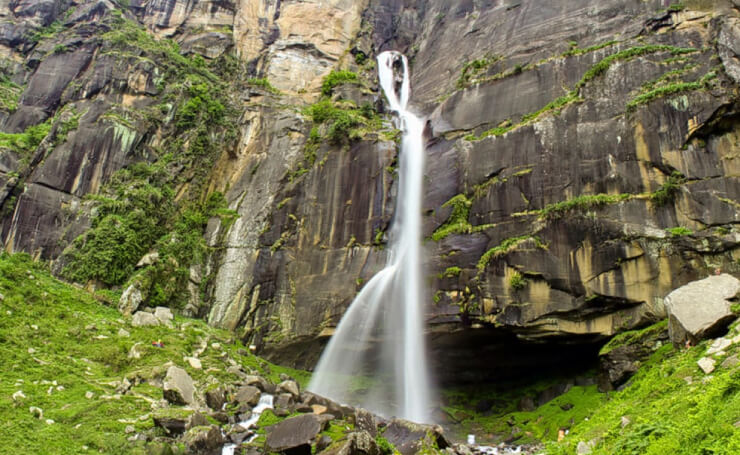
<point x="266" y="402"/>
<point x="377" y="356"/>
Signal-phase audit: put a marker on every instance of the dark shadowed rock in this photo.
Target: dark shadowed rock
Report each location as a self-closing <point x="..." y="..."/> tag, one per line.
<point x="365" y="421"/>
<point x="552" y="392"/>
<point x="203" y="439"/>
<point x="294" y="435"/>
<point x="701" y="308"/>
<point x="215" y="398"/>
<point x="173" y="421"/>
<point x="409" y="437"/>
<point x="618" y="363"/>
<point x="247" y="396"/>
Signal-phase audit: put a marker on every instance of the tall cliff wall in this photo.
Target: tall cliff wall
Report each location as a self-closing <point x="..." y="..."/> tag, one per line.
<point x="583" y="159"/>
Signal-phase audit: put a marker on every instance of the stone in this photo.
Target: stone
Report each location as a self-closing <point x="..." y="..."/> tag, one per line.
<point x="178" y="386"/>
<point x="526" y="404"/>
<point x="585" y="448"/>
<point x="718" y="345"/>
<point x="194" y="363"/>
<point x="700" y="308"/>
<point x="173" y="421"/>
<point x="730" y="362"/>
<point x="18" y="395"/>
<point x="408" y="437"/>
<point x="706" y="364"/>
<point x="144" y="319"/>
<point x="624" y="421"/>
<point x="36" y="412"/>
<point x="618" y="364"/>
<point x="130" y="300"/>
<point x="164" y="315"/>
<point x="148" y="259"/>
<point x="129" y="429"/>
<point x="203" y="439"/>
<point x="216" y="398"/>
<point x="123" y="333"/>
<point x="294" y="435"/>
<point x="291" y="387"/>
<point x="247" y="397"/>
<point x="364" y="420"/>
<point x="197" y="420"/>
<point x="356" y="443"/>
<point x="284" y="402"/>
<point x="257" y="381"/>
<point x="89" y="395"/>
<point x="136" y="351"/>
<point x="552" y="392"/>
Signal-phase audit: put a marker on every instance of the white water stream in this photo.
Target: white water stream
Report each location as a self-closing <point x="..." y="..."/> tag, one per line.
<point x="377" y="357"/>
<point x="266" y="402"/>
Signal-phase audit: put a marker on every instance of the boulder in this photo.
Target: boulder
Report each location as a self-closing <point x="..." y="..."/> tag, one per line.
<point x="173" y="421"/>
<point x="258" y="381"/>
<point x="130" y="300"/>
<point x="285" y="401"/>
<point x="409" y="437"/>
<point x="706" y="364"/>
<point x="356" y="443"/>
<point x="290" y="387"/>
<point x="247" y="397"/>
<point x="295" y="435"/>
<point x="215" y="398"/>
<point x="164" y="315"/>
<point x="142" y="319"/>
<point x="701" y="308"/>
<point x="364" y="421"/>
<point x="619" y="360"/>
<point x="178" y="386"/>
<point x="203" y="439"/>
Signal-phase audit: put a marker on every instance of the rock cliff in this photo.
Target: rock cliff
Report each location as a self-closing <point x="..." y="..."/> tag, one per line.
<point x="583" y="160"/>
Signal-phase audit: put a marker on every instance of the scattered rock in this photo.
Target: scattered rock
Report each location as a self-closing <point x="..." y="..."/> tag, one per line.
<point x="49" y="421"/>
<point x="526" y="404"/>
<point x="194" y="363"/>
<point x="123" y="333"/>
<point x="409" y="437"/>
<point x="178" y="386"/>
<point x="164" y="315"/>
<point x="706" y="364"/>
<point x="566" y="406"/>
<point x="197" y="420"/>
<point x="129" y="429"/>
<point x="247" y="397"/>
<point x="31" y="351"/>
<point x="130" y="300"/>
<point x="136" y="351"/>
<point x="323" y="443"/>
<point x="19" y="395"/>
<point x="700" y="308"/>
<point x="624" y="421"/>
<point x="148" y="259"/>
<point x="364" y="420"/>
<point x="259" y="382"/>
<point x="552" y="392"/>
<point x="215" y="398"/>
<point x="173" y="421"/>
<point x="585" y="448"/>
<point x="36" y="412"/>
<point x="290" y="387"/>
<point x="356" y="443"/>
<point x="203" y="439"/>
<point x="284" y="402"/>
<point x="89" y="395"/>
<point x="143" y="319"/>
<point x="294" y="435"/>
<point x="719" y="345"/>
<point x="731" y="361"/>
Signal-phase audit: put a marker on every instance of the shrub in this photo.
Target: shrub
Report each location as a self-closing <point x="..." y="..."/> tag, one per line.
<point x="517" y="281"/>
<point x="336" y="78"/>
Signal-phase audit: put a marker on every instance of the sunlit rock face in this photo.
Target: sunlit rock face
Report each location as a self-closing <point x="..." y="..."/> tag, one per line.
<point x="570" y="101"/>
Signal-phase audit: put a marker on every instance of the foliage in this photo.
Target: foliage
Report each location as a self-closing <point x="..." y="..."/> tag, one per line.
<point x="574" y="50"/>
<point x="457" y="222"/>
<point x="264" y="84"/>
<point x="385" y="447"/>
<point x="336" y="78"/>
<point x="670" y="89"/>
<point x="202" y="107"/>
<point x="506" y="246"/>
<point x="9" y="94"/>
<point x="668" y="190"/>
<point x="517" y="281"/>
<point x="583" y="202"/>
<point x="26" y="142"/>
<point x="473" y="69"/>
<point x="342" y="120"/>
<point x="450" y="272"/>
<point x="679" y="231"/>
<point x="633" y="336"/>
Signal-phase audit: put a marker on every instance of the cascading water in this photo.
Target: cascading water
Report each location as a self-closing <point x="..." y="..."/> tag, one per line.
<point x="377" y="357"/>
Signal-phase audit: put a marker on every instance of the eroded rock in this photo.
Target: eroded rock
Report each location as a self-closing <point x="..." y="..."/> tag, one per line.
<point x="178" y="386"/>
<point x="294" y="435"/>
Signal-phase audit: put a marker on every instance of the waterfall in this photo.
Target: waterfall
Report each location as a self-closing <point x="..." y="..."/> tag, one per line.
<point x="377" y="356"/>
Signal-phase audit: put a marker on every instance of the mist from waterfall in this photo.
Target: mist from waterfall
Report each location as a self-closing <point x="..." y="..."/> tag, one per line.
<point x="377" y="356"/>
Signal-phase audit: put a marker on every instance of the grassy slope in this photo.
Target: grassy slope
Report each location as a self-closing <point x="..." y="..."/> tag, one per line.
<point x="76" y="345"/>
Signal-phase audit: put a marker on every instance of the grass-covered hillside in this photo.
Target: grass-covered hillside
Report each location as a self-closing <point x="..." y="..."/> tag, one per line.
<point x="65" y="352"/>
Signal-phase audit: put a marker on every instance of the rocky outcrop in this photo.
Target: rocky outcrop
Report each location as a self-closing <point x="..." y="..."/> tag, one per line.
<point x="581" y="162"/>
<point x="701" y="308"/>
<point x="294" y="435"/>
<point x="178" y="386"/>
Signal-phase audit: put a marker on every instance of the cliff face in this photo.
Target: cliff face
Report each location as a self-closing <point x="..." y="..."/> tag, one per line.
<point x="583" y="157"/>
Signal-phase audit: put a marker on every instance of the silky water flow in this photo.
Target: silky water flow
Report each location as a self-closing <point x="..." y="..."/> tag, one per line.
<point x="377" y="357"/>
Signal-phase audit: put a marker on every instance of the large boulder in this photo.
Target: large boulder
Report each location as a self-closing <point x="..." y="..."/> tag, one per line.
<point x="130" y="300"/>
<point x="247" y="396"/>
<point x="143" y="319"/>
<point x="174" y="421"/>
<point x="295" y="435"/>
<point x="701" y="308"/>
<point x="178" y="386"/>
<point x="622" y="356"/>
<point x="409" y="438"/>
<point x="203" y="439"/>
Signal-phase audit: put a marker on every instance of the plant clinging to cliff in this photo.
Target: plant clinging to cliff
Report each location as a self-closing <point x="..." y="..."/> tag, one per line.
<point x="336" y="78"/>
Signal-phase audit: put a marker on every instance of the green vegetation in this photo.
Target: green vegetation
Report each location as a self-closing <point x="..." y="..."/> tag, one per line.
<point x="633" y="336"/>
<point x="676" y="7"/>
<point x="574" y="50"/>
<point x="668" y="190"/>
<point x="337" y="78"/>
<point x="582" y="203"/>
<point x="506" y="246"/>
<point x="58" y="343"/>
<point x="517" y="281"/>
<point x="385" y="447"/>
<point x="9" y="94"/>
<point x="25" y="143"/>
<point x="670" y="405"/>
<point x="450" y="272"/>
<point x="264" y="84"/>
<point x="670" y="89"/>
<point x="471" y="70"/>
<point x="679" y="231"/>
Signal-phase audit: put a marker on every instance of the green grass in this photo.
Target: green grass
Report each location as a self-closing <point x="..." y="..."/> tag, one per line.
<point x="668" y="90"/>
<point x="10" y="92"/>
<point x="631" y="336"/>
<point x="517" y="281"/>
<point x="506" y="246"/>
<point x="679" y="231"/>
<point x="580" y="203"/>
<point x="25" y="143"/>
<point x="668" y="190"/>
<point x="74" y="342"/>
<point x="667" y="412"/>
<point x="335" y="79"/>
<point x="264" y="84"/>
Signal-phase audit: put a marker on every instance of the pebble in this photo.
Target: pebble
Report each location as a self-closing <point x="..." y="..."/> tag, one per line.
<point x="34" y="327"/>
<point x="89" y="395"/>
<point x="49" y="421"/>
<point x="194" y="363"/>
<point x="123" y="333"/>
<point x="19" y="395"/>
<point x="31" y="351"/>
<point x="130" y="429"/>
<point x="706" y="364"/>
